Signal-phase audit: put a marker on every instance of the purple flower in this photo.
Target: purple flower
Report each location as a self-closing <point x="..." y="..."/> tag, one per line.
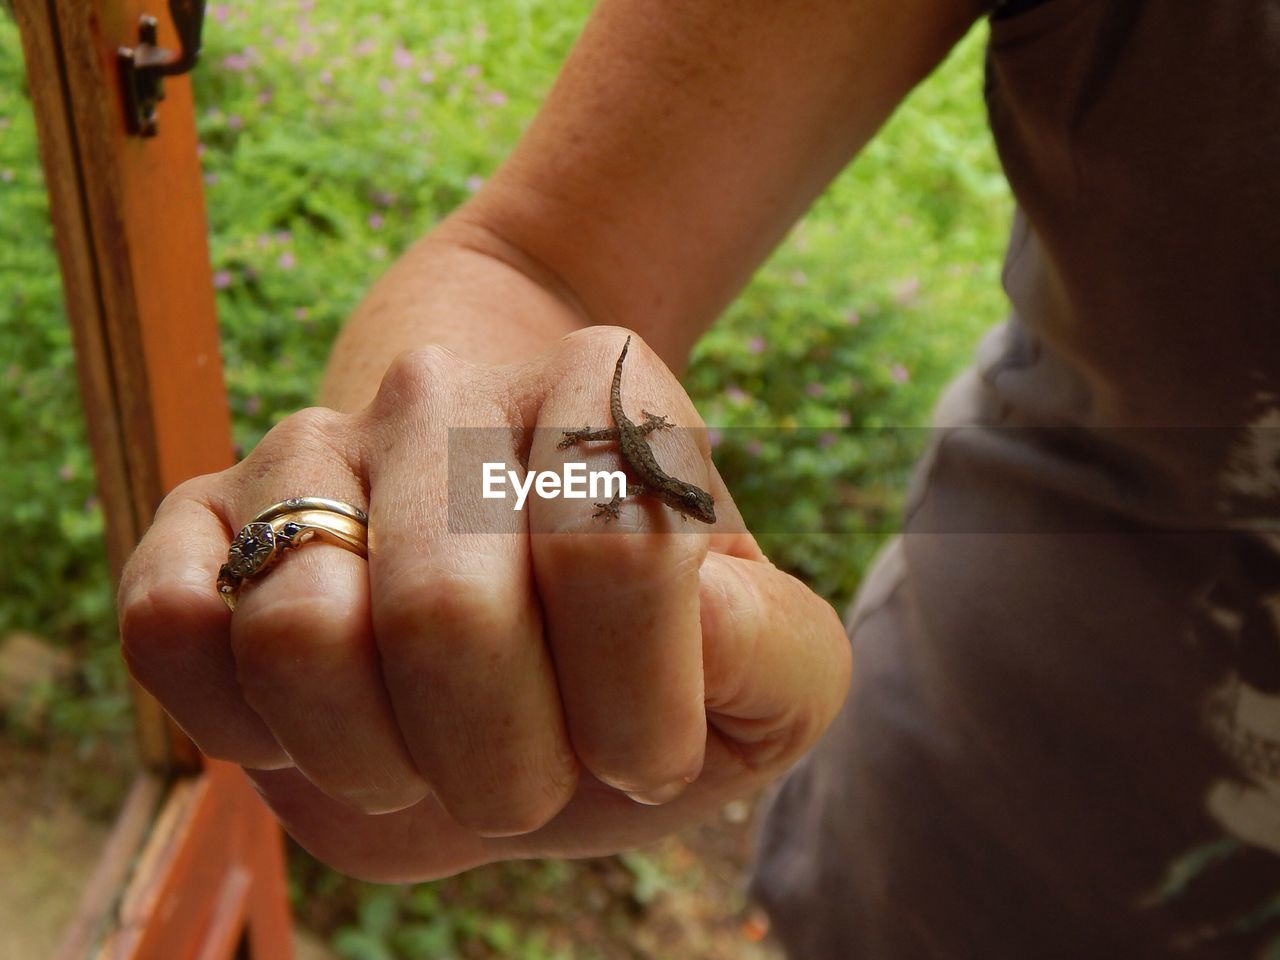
<point x="899" y="373"/>
<point x="426" y="76"/>
<point x="265" y="97"/>
<point x="383" y="198"/>
<point x="755" y="449"/>
<point x="815" y="389"/>
<point x="853" y="318"/>
<point x="220" y="12"/>
<point x="90" y="504"/>
<point x="401" y="57"/>
<point x="239" y="62"/>
<point x="799" y="278"/>
<point x="906" y="291"/>
<point x="234" y="122"/>
<point x="756" y="345"/>
<point x="252" y="405"/>
<point x="474" y="183"/>
<point x="287" y="260"/>
<point x="826" y="439"/>
<point x="210" y="179"/>
<point x="6" y="175"/>
<point x="66" y="473"/>
<point x="326" y="77"/>
<point x="300" y="313"/>
<point x="497" y="98"/>
<point x="283" y="236"/>
<point x="221" y="280"/>
<point x="364" y="48"/>
<point x="385" y="85"/>
<point x="737" y="394"/>
<point x="471" y="71"/>
<point x="714" y="437"/>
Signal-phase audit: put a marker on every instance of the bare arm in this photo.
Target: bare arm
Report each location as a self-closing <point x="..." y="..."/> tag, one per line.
<point x="680" y="142"/>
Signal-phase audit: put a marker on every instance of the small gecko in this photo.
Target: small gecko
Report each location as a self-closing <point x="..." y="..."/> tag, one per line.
<point x="688" y="500"/>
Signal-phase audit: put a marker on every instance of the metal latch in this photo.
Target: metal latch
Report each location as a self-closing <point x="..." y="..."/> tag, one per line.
<point x="144" y="67"/>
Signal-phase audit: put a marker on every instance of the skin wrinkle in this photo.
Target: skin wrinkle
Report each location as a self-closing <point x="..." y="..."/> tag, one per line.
<point x="726" y="620"/>
<point x="518" y="259"/>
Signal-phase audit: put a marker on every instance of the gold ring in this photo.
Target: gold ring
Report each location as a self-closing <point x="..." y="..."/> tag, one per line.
<point x="287" y="525"/>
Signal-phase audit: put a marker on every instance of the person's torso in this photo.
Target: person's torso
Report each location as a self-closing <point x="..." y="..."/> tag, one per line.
<point x="1142" y="142"/>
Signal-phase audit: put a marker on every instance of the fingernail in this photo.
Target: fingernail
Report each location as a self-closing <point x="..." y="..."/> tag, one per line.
<point x="660" y="795"/>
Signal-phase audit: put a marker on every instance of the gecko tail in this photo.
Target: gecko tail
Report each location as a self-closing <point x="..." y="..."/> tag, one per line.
<point x="617" y="370"/>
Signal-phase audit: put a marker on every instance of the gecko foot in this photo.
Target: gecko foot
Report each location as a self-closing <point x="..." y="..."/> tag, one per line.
<point x="586" y="435"/>
<point x="608" y="510"/>
<point x="653" y="421"/>
<point x="571" y="437"/>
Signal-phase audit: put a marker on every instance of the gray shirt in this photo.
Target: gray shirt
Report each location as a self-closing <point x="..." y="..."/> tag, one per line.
<point x="1063" y="737"/>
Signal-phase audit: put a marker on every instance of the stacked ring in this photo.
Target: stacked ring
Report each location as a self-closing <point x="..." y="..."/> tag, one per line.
<point x="285" y="526"/>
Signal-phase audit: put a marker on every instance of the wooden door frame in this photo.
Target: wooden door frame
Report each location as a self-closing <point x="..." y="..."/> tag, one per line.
<point x="194" y="866"/>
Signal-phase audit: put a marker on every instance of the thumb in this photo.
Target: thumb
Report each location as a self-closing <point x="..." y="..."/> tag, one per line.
<point x="776" y="660"/>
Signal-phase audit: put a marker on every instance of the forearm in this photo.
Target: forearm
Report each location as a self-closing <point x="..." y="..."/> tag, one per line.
<point x="460" y="287"/>
<point x="680" y="142"/>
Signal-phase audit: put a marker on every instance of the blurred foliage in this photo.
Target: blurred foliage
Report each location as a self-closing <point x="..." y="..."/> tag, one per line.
<point x="523" y="910"/>
<point x="53" y="579"/>
<point x="331" y="139"/>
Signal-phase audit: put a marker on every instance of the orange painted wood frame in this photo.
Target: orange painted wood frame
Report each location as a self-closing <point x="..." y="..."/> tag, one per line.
<point x="194" y="867"/>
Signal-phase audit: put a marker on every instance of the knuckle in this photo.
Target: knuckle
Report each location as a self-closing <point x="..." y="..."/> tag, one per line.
<point x="632" y="767"/>
<point x="150" y="624"/>
<point x="515" y="805"/>
<point x="198" y="489"/>
<point x="441" y="606"/>
<point x="307" y="428"/>
<point x="375" y="796"/>
<point x="309" y="441"/>
<point x="256" y="753"/>
<point x="369" y="781"/>
<point x="622" y="557"/>
<point x="416" y="374"/>
<point x="275" y="645"/>
<point x="510" y="820"/>
<point x="601" y="338"/>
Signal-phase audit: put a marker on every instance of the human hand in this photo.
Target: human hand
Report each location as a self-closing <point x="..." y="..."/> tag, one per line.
<point x="512" y="685"/>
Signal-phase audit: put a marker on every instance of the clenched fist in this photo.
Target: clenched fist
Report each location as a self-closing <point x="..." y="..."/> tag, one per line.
<point x="489" y="684"/>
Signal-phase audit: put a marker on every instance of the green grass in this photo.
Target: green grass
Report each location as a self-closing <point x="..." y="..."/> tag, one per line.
<point x="333" y="138"/>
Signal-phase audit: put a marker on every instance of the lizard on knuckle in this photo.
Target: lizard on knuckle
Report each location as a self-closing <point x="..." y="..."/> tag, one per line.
<point x="680" y="495"/>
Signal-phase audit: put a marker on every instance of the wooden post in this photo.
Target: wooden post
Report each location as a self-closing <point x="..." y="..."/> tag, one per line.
<point x="203" y="876"/>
